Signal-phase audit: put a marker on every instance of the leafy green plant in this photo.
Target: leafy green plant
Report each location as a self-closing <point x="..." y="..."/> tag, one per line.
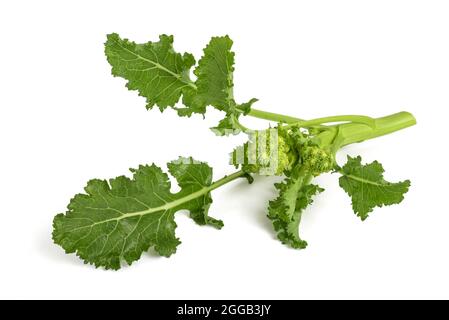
<point x="116" y="221"/>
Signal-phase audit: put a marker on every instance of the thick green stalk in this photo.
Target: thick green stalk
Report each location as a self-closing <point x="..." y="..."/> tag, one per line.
<point x="362" y="128"/>
<point x="385" y="125"/>
<point x="344" y="134"/>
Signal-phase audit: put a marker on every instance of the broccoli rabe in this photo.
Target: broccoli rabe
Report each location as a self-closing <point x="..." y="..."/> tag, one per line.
<point x="115" y="221"/>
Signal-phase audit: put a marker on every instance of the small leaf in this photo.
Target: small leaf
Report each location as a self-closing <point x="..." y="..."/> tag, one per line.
<point x="245" y="108"/>
<point x="215" y="86"/>
<point x="367" y="188"/>
<point x="190" y="181"/>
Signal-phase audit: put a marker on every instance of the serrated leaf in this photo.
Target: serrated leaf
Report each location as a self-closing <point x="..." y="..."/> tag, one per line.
<point x="191" y="180"/>
<point x="367" y="188"/>
<point x="118" y="220"/>
<point x="295" y="194"/>
<point x="161" y="75"/>
<point x="215" y="75"/>
<point x="215" y="85"/>
<point x="154" y="69"/>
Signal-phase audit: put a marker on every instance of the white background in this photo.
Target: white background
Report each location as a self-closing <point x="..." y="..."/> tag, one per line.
<point x="64" y="119"/>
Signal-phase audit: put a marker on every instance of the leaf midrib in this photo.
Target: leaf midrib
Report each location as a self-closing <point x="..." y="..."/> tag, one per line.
<point x="167" y="206"/>
<point x="161" y="67"/>
<point x="173" y="204"/>
<point x="377" y="184"/>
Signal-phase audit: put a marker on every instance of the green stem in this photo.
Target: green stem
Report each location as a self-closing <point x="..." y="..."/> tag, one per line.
<point x="360" y="128"/>
<point x="271" y="116"/>
<point x="350" y="118"/>
<point x="225" y="180"/>
<point x="240" y="125"/>
<point x="243" y="128"/>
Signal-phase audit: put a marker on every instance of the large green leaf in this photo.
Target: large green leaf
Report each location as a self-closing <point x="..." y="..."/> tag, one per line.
<point x="154" y="69"/>
<point x="118" y="220"/>
<point x="161" y="75"/>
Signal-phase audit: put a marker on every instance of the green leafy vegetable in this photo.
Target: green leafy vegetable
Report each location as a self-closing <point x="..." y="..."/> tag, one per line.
<point x="367" y="187"/>
<point x="120" y="219"/>
<point x="215" y="85"/>
<point x="215" y="75"/>
<point x="295" y="194"/>
<point x="116" y="221"/>
<point x="162" y="76"/>
<point x="154" y="69"/>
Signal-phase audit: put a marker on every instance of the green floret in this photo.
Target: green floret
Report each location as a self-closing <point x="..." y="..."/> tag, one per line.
<point x="317" y="160"/>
